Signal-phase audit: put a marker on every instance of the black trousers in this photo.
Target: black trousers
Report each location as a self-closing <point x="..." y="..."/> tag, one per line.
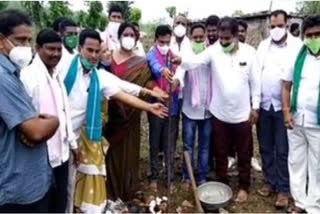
<point x="41" y="206"/>
<point x="159" y="135"/>
<point x="59" y="191"/>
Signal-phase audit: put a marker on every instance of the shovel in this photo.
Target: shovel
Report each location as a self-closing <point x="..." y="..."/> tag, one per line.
<point x="193" y="182"/>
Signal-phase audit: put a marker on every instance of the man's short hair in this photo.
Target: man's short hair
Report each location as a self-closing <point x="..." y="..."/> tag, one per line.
<point x="243" y="24"/>
<point x="66" y="23"/>
<point x="115" y="8"/>
<point x="197" y="25"/>
<point x="212" y="20"/>
<point x="280" y="12"/>
<point x="310" y="22"/>
<point x="47" y="35"/>
<point x="228" y="23"/>
<point x="88" y="33"/>
<point x="294" y="26"/>
<point x="163" y="30"/>
<point x="9" y="19"/>
<point x="57" y="22"/>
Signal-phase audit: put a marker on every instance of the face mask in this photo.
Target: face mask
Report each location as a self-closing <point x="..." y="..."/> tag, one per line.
<point x="277" y="33"/>
<point x="313" y="45"/>
<point x="228" y="48"/>
<point x="86" y="64"/>
<point x="128" y="43"/>
<point x="163" y="49"/>
<point x="113" y="28"/>
<point x="20" y="55"/>
<point x="180" y="31"/>
<point x="198" y="47"/>
<point x="71" y="41"/>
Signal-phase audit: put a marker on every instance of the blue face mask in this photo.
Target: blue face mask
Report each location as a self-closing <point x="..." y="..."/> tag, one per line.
<point x="86" y="64"/>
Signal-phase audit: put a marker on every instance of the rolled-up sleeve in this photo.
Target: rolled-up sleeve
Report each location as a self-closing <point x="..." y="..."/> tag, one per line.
<point x="15" y="105"/>
<point x="287" y="74"/>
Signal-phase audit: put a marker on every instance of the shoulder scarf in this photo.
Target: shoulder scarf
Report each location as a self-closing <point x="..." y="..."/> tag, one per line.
<point x="93" y="113"/>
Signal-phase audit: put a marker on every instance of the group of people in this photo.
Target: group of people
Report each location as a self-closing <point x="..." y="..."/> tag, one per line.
<point x="71" y="106"/>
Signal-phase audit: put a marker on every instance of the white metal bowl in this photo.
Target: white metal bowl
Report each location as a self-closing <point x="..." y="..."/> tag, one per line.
<point x="214" y="195"/>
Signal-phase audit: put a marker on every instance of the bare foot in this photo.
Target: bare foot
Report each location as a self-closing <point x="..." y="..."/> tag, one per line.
<point x="242" y="196"/>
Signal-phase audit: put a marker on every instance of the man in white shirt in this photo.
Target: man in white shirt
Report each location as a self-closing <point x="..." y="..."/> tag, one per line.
<point x="195" y="103"/>
<point x="48" y="95"/>
<point x="110" y="35"/>
<point x="110" y="86"/>
<point x="274" y="55"/>
<point x="301" y="111"/>
<point x="68" y="31"/>
<point x="235" y="80"/>
<point x="242" y="34"/>
<point x="212" y="29"/>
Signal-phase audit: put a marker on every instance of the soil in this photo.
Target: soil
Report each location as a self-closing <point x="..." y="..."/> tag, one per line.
<point x="255" y="204"/>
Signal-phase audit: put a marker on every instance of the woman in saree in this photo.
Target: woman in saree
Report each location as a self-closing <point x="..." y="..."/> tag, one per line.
<point x="123" y="128"/>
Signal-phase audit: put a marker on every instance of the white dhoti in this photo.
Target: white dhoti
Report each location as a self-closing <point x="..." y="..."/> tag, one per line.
<point x="304" y="167"/>
<point x="71" y="185"/>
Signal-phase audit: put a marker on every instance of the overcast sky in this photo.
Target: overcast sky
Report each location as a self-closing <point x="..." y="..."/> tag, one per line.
<point x="156" y="9"/>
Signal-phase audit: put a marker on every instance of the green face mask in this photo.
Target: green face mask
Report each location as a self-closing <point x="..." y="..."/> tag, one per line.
<point x="313" y="45"/>
<point x="229" y="48"/>
<point x="198" y="47"/>
<point x="71" y="41"/>
<point x="86" y="64"/>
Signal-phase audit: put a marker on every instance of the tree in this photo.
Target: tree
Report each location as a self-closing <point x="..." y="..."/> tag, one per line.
<point x="124" y="5"/>
<point x="135" y="15"/>
<point x="308" y="7"/>
<point x="172" y="11"/>
<point x="237" y="13"/>
<point x="37" y="11"/>
<point x="3" y="4"/>
<point x="57" y="9"/>
<point x="94" y="18"/>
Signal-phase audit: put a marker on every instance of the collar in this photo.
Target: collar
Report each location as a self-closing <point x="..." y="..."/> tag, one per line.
<point x="41" y="66"/>
<point x="8" y="65"/>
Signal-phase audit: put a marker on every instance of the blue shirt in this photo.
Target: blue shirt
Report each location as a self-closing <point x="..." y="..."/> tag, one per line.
<point x="25" y="173"/>
<point x="156" y="68"/>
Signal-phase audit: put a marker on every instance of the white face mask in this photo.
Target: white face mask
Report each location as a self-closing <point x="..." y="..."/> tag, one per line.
<point x="163" y="49"/>
<point x="180" y="31"/>
<point x="20" y="55"/>
<point x="113" y="28"/>
<point x="128" y="43"/>
<point x="277" y="33"/>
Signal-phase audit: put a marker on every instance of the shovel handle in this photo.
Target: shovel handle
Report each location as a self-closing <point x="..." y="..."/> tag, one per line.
<point x="193" y="182"/>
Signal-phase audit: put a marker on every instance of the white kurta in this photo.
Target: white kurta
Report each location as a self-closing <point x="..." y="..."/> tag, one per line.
<point x="235" y="80"/>
<point x="304" y="139"/>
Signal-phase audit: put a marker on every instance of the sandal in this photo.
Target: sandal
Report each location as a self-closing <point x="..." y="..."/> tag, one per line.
<point x="295" y="209"/>
<point x="265" y="191"/>
<point x="282" y="201"/>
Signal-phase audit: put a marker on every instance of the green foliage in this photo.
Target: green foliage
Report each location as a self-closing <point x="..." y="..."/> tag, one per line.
<point x="94" y="18"/>
<point x="135" y="15"/>
<point x="237" y="13"/>
<point x="57" y="9"/>
<point x="37" y="11"/>
<point x="308" y="7"/>
<point x="172" y="11"/>
<point x="124" y="5"/>
<point x="3" y="4"/>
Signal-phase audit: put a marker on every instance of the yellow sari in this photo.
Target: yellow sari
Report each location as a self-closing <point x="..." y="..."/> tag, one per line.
<point x="90" y="191"/>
